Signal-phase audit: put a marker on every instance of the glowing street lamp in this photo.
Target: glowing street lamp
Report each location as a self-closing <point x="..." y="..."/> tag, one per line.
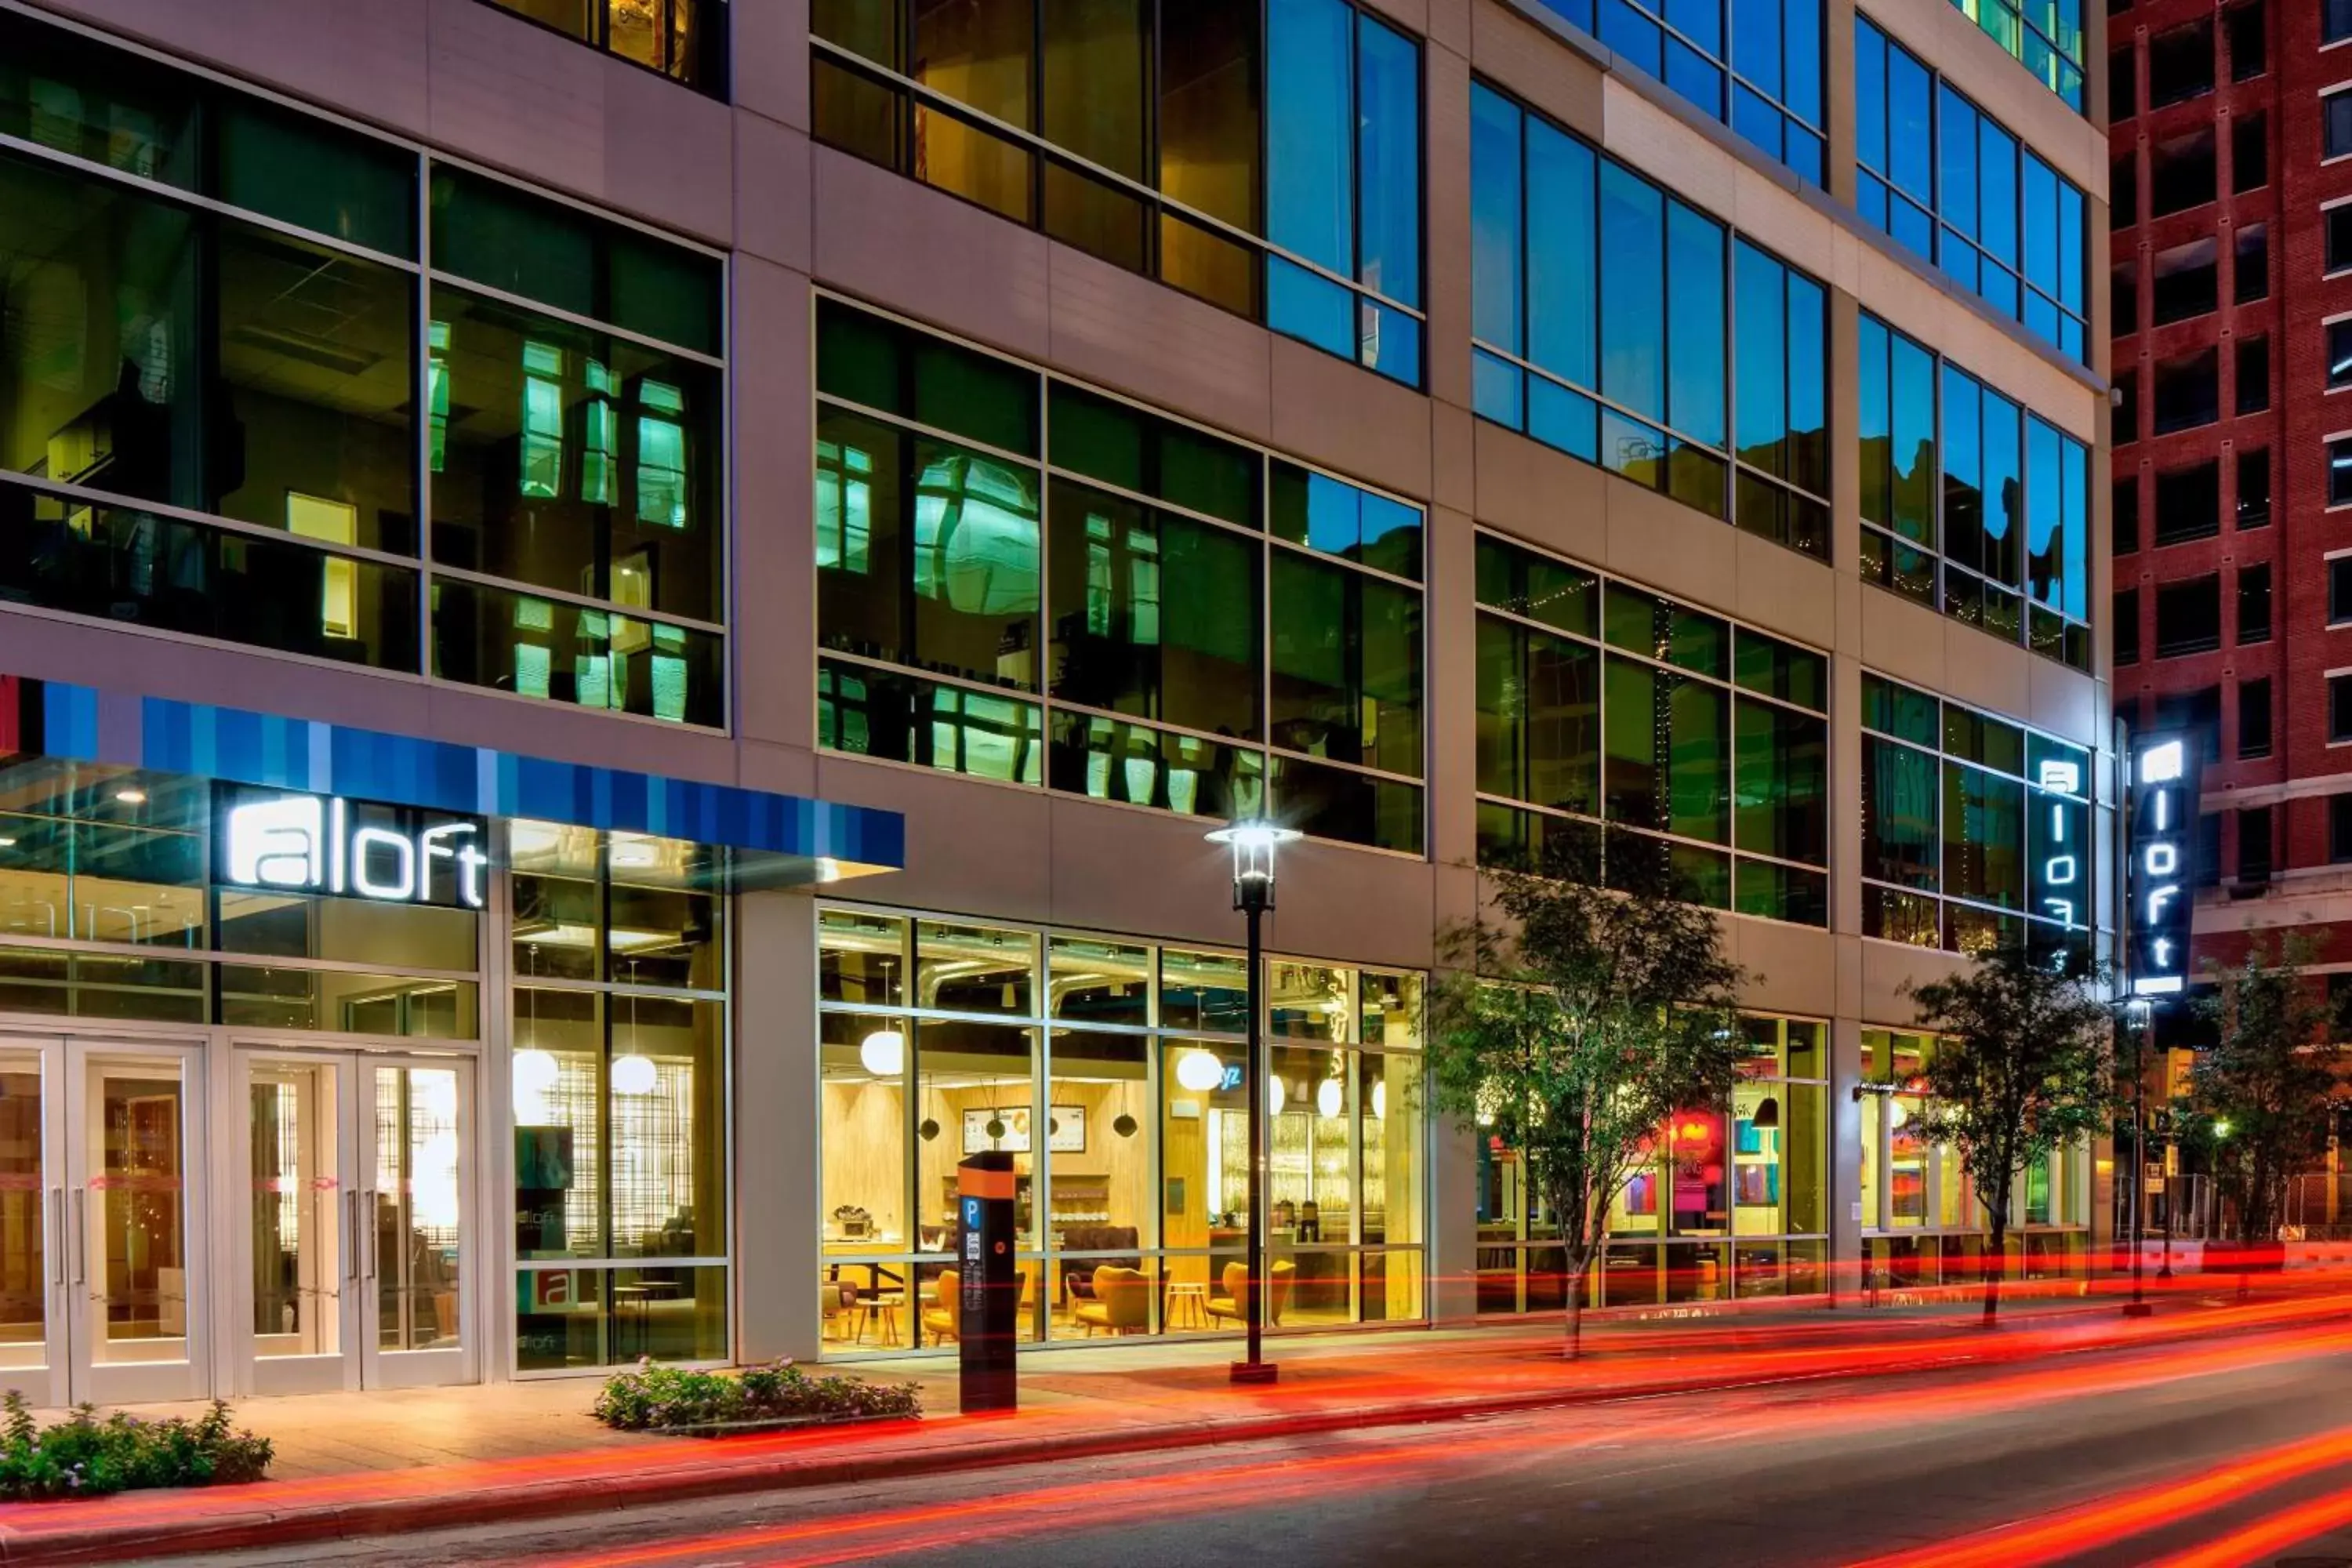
<point x="1254" y="842"/>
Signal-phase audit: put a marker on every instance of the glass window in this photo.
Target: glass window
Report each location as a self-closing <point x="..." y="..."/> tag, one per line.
<point x="1156" y="615"/>
<point x="1651" y="328"/>
<point x="584" y="462"/>
<point x="1942" y="179"/>
<point x="1661" y="747"/>
<point x="1345" y="666"/>
<point x="504" y="239"/>
<point x="1970" y="825"/>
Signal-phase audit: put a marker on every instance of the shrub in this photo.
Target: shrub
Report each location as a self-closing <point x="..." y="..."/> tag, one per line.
<point x="668" y="1399"/>
<point x="83" y="1456"/>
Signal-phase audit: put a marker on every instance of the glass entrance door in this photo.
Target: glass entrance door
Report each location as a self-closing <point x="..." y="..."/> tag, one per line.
<point x="358" y="1246"/>
<point x="132" y="1223"/>
<point x="32" y="1207"/>
<point x="417" y="1260"/>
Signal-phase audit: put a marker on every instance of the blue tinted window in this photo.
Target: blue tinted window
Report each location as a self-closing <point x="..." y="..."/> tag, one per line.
<point x="1310" y="207"/>
<point x="1610" y="288"/>
<point x="1969" y="502"/>
<point x="1633" y="291"/>
<point x="1695" y="324"/>
<point x="1496" y="235"/>
<point x="1563" y="302"/>
<point x="1946" y="181"/>
<point x="1756" y="65"/>
<point x="1343" y="183"/>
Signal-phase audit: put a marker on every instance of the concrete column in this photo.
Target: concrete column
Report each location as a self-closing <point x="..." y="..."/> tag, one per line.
<point x="1453" y="1222"/>
<point x="775" y="1131"/>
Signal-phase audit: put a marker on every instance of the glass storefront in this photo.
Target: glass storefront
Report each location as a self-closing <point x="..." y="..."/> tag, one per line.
<point x="1922" y="1221"/>
<point x="1733" y="1207"/>
<point x="941" y="1038"/>
<point x="618" y="1084"/>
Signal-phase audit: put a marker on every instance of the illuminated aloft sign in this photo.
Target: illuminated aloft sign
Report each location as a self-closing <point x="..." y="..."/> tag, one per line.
<point x="299" y="843"/>
<point x="2058" y="834"/>
<point x="2163" y="859"/>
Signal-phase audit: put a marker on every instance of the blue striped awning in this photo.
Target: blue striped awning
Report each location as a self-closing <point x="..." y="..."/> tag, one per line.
<point x="770" y="839"/>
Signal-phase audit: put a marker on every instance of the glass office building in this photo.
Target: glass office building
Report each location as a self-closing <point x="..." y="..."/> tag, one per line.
<point x="619" y="628"/>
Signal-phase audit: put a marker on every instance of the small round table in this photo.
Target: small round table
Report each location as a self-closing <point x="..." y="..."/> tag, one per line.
<point x="1187" y="1305"/>
<point x="882" y="1312"/>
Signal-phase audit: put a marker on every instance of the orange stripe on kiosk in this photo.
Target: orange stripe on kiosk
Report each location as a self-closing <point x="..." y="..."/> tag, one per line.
<point x="987" y="1287"/>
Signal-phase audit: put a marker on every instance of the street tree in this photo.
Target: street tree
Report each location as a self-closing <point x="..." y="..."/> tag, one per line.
<point x="2268" y="1078"/>
<point x="1575" y="1022"/>
<point x="2025" y="1065"/>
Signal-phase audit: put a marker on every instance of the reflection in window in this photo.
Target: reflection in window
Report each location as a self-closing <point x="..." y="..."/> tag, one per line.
<point x="1992" y="521"/>
<point x="1164" y="685"/>
<point x="1598" y="306"/>
<point x="1672" y="737"/>
<point x="1958" y="189"/>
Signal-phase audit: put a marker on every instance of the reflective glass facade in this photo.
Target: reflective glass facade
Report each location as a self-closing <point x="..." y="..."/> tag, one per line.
<point x="1264" y="155"/>
<point x="1961" y="191"/>
<point x="1654" y="730"/>
<point x="1629" y="329"/>
<point x="2045" y="37"/>
<point x="240" y="454"/>
<point x="1110" y="1070"/>
<point x="1970" y="503"/>
<point x="1735" y="1206"/>
<point x="1022" y="579"/>
<point x="1976" y="831"/>
<point x="1756" y="68"/>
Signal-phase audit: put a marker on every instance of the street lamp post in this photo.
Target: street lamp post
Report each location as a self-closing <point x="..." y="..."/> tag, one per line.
<point x="2135" y="1016"/>
<point x="1254" y="842"/>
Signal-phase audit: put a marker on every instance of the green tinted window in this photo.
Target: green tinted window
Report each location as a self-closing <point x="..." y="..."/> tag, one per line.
<point x="1984" y="837"/>
<point x="302" y="171"/>
<point x="1155" y="614"/>
<point x="1137" y="451"/>
<point x="902" y="718"/>
<point x="585" y="462"/>
<point x="1107" y="759"/>
<point x="520" y="243"/>
<point x="1339" y="803"/>
<point x="306" y="423"/>
<point x="1661" y="628"/>
<point x="1347" y="665"/>
<point x="1775" y="669"/>
<point x="1898" y="711"/>
<point x="1984" y="740"/>
<point x="1539" y="716"/>
<point x="884" y="365"/>
<point x="1538" y="587"/>
<point x="1669" y="755"/>
<point x="1781" y="757"/>
<point x="1899" y="837"/>
<point x="928" y="551"/>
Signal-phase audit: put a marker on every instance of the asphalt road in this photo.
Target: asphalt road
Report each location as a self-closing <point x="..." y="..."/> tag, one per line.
<point x="2122" y="1458"/>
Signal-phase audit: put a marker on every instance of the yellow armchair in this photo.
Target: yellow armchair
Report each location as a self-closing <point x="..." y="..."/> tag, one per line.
<point x="1122" y="1303"/>
<point x="1233" y="1306"/>
<point x="940" y="1312"/>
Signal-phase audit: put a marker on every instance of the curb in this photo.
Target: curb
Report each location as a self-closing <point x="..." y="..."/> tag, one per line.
<point x="269" y="1526"/>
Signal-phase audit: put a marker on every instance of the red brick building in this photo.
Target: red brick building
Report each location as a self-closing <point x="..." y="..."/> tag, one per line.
<point x="2232" y="144"/>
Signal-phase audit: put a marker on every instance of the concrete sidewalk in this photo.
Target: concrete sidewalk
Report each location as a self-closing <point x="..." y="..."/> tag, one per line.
<point x="379" y="1463"/>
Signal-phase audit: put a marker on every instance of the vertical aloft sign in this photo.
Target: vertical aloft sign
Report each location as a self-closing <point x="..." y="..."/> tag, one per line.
<point x="2163" y="844"/>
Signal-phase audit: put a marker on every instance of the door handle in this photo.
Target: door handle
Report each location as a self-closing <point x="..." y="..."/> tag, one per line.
<point x="367" y="1249"/>
<point x="77" y="1242"/>
<point x="350" y="1235"/>
<point x="57" y="1235"/>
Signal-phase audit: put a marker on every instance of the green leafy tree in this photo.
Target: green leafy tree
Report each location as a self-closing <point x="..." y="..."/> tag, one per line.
<point x="2269" y="1077"/>
<point x="2025" y="1065"/>
<point x="1572" y="1026"/>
